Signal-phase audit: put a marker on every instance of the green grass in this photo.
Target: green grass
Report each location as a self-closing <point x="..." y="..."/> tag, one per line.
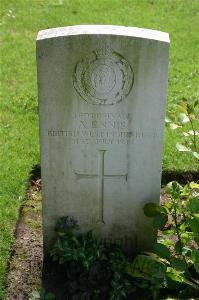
<point x="20" y="22"/>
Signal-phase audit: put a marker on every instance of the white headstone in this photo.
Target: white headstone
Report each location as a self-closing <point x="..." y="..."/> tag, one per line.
<point x="102" y="94"/>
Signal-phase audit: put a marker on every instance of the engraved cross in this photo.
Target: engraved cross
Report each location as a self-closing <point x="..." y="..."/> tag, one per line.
<point x="101" y="177"/>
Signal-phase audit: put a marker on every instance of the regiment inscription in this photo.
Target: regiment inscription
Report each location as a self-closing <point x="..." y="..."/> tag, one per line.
<point x="102" y="129"/>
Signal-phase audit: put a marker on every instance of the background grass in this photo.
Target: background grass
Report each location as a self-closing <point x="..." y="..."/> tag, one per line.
<point x="20" y="22"/>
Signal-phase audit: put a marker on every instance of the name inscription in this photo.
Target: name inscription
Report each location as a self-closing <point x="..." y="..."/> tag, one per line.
<point x="101" y="129"/>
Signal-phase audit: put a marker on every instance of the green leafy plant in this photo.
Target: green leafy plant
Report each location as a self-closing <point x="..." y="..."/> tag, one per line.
<point x="73" y="246"/>
<point x="188" y="114"/>
<point x="150" y="273"/>
<point x="91" y="269"/>
<point x="178" y="219"/>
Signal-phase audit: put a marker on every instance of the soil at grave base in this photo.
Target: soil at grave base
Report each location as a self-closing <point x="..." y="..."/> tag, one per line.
<point x="25" y="269"/>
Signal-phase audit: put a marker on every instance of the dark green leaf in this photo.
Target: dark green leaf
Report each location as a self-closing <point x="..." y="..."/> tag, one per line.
<point x="164" y="210"/>
<point x="178" y="264"/>
<point x="146" y="267"/>
<point x="196" y="239"/>
<point x="195" y="258"/>
<point x="178" y="247"/>
<point x="162" y="251"/>
<point x="194" y="205"/>
<point x="160" y="221"/>
<point x="194" y="223"/>
<point x="175" y="276"/>
<point x="151" y="209"/>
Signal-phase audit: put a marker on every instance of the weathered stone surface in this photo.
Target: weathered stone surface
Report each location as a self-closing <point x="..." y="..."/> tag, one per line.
<point x="102" y="93"/>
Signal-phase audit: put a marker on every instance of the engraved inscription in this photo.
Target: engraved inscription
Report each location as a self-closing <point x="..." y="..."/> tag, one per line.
<point x="104" y="78"/>
<point x="101" y="137"/>
<point x="102" y="129"/>
<point x="101" y="177"/>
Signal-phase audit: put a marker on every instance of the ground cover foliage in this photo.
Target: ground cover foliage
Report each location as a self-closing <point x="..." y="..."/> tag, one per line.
<point x="20" y="22"/>
<point x="87" y="269"/>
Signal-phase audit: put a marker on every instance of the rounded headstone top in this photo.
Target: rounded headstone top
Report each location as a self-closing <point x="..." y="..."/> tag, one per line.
<point x="103" y="30"/>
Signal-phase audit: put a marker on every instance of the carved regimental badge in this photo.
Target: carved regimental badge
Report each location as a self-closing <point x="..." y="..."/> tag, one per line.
<point x="104" y="78"/>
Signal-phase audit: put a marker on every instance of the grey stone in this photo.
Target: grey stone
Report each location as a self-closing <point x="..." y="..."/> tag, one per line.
<point x="102" y="95"/>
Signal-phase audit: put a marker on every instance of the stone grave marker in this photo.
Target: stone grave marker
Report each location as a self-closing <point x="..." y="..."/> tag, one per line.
<point x="102" y="94"/>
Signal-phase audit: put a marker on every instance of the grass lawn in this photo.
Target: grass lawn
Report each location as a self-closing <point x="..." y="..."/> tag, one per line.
<point x="20" y="22"/>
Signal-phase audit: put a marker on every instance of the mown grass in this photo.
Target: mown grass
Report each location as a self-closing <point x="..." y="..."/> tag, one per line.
<point x="20" y="22"/>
